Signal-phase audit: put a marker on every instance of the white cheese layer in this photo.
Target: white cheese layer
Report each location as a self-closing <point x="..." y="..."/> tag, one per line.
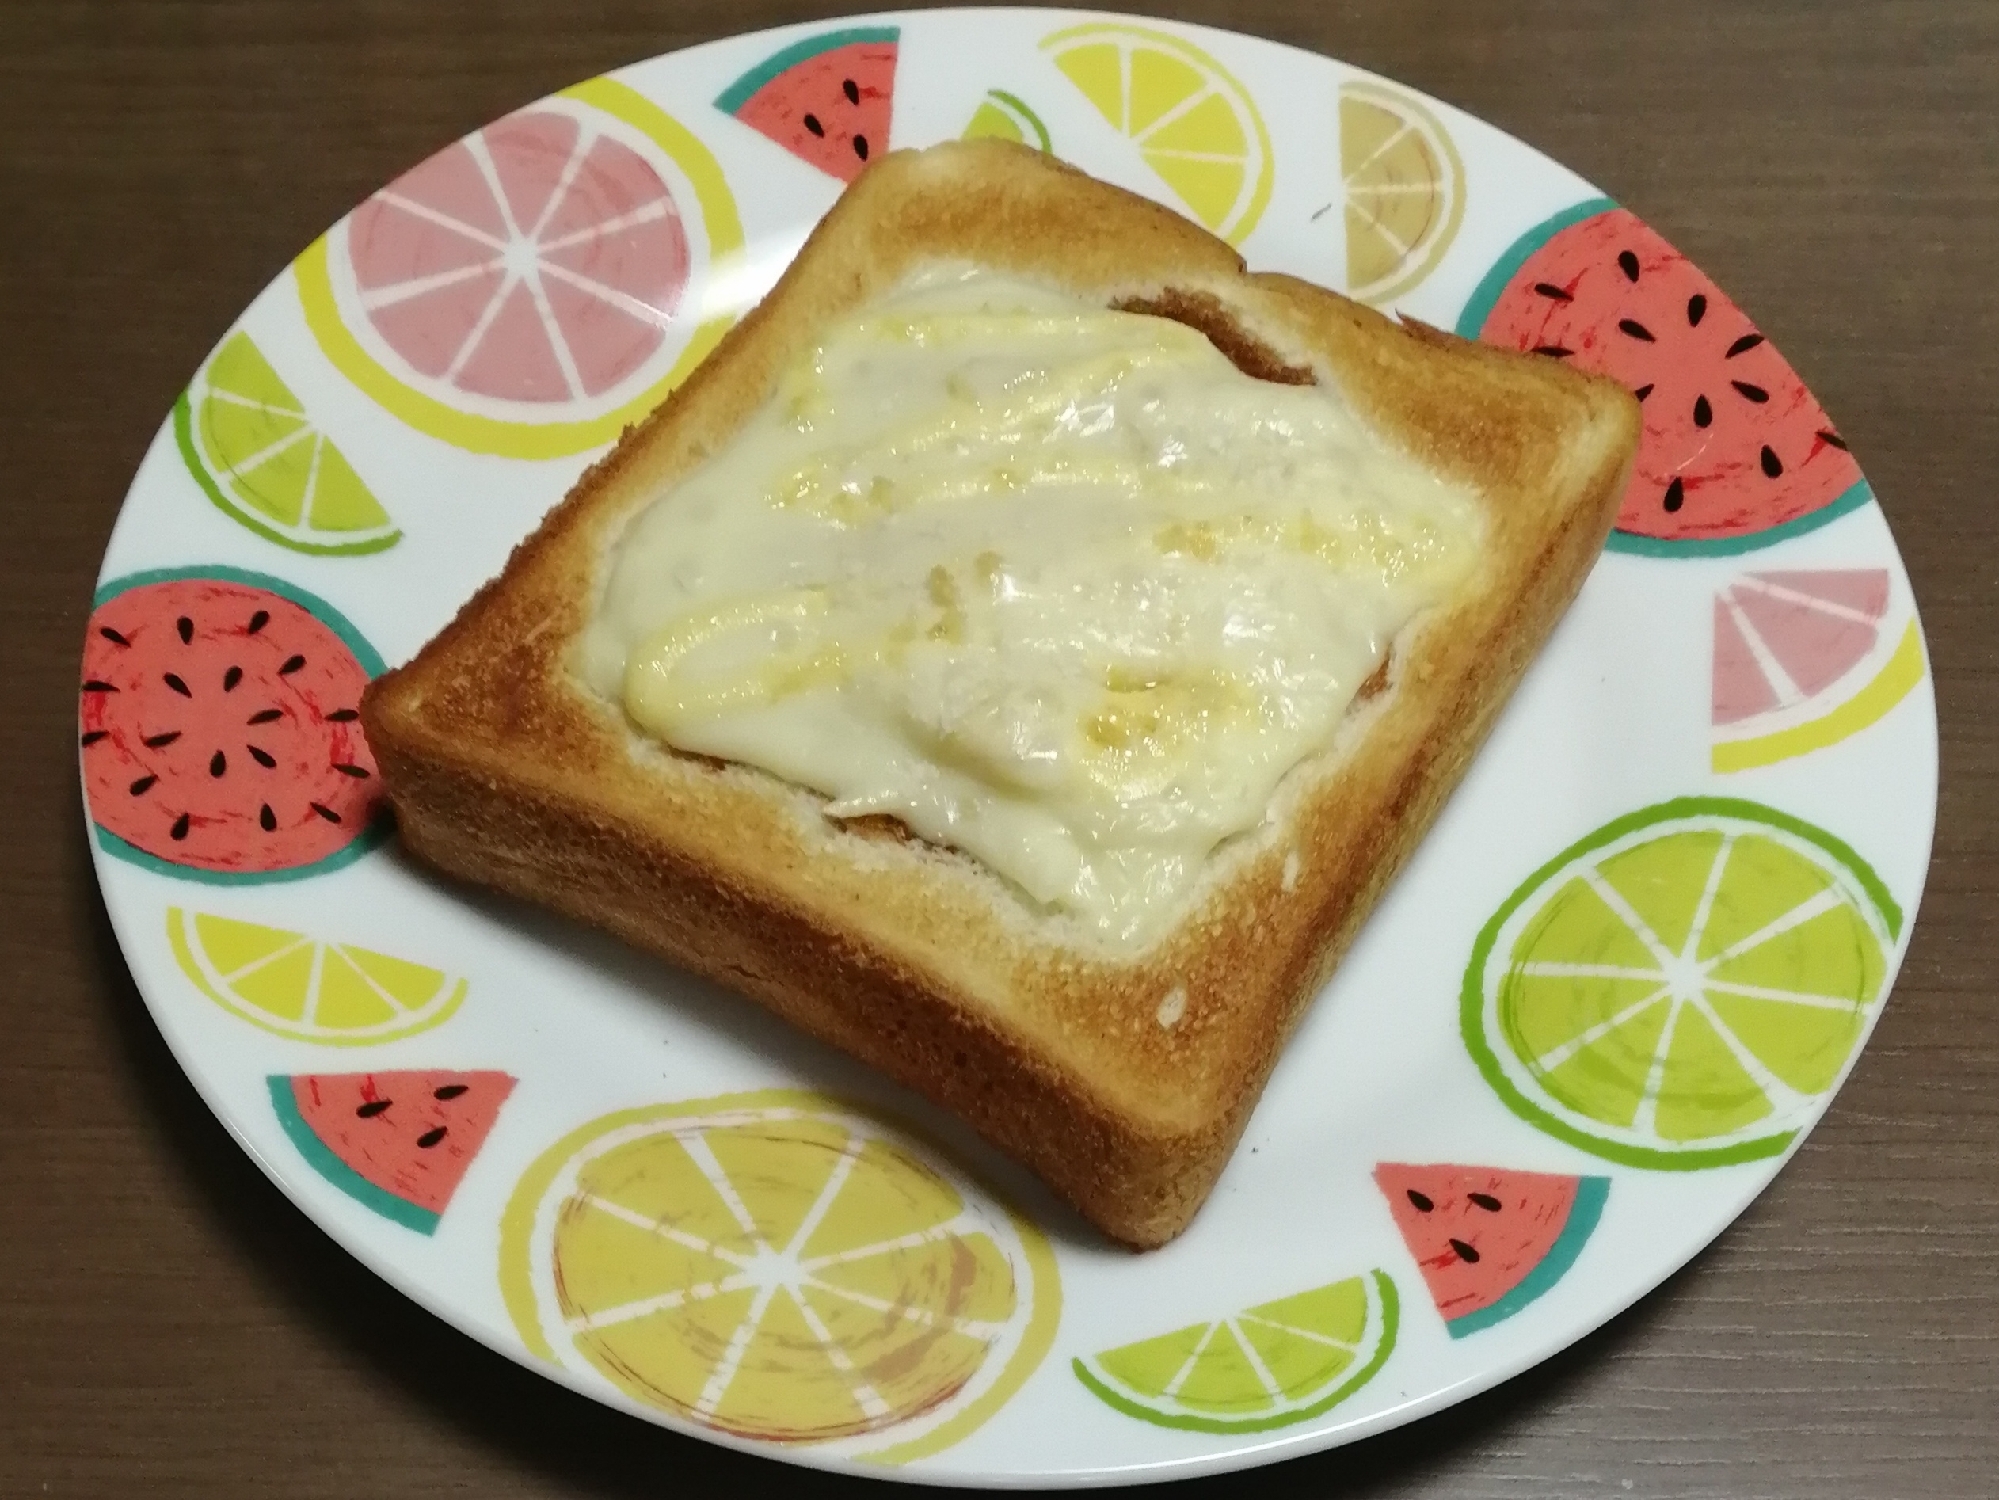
<point x="1055" y="586"/>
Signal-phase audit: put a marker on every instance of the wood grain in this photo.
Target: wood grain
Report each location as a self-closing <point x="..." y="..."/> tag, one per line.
<point x="171" y="1327"/>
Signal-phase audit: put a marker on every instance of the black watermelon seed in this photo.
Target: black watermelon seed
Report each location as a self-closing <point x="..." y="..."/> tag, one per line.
<point x="217" y="764"/>
<point x="1549" y="289"/>
<point x="292" y="664"/>
<point x="373" y="1107"/>
<point x="1485" y="1201"/>
<point x="1703" y="413"/>
<point x="263" y="758"/>
<point x="1553" y="351"/>
<point x="1676" y="495"/>
<point x="258" y="621"/>
<point x="1829" y="436"/>
<point x="812" y="124"/>
<point x="173" y="681"/>
<point x="861" y="147"/>
<point x="324" y="811"/>
<point x="94" y="736"/>
<point x="359" y="773"/>
<point x="143" y="785"/>
<point x="851" y="89"/>
<point x="1750" y="392"/>
<point x="266" y="819"/>
<point x="160" y="741"/>
<point x="449" y="1091"/>
<point x="1628" y="263"/>
<point x="431" y="1137"/>
<point x="93" y="685"/>
<point x="1466" y="1253"/>
<point x="112" y="636"/>
<point x="186" y="628"/>
<point x="1643" y="391"/>
<point x="1743" y="345"/>
<point x="230" y="678"/>
<point x="266" y="715"/>
<point x="1421" y="1200"/>
<point x="179" y="830"/>
<point x="1632" y="328"/>
<point x="1772" y="465"/>
<point x="1696" y="309"/>
<point x="343" y="716"/>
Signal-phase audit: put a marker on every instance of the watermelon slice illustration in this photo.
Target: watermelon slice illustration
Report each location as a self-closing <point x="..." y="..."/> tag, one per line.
<point x="1489" y="1241"/>
<point x="827" y="99"/>
<point x="1802" y="661"/>
<point x="398" y="1143"/>
<point x="1736" y="453"/>
<point x="219" y="734"/>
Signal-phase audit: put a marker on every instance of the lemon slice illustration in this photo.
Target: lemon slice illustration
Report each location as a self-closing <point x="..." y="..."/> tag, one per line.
<point x="1405" y="190"/>
<point x="778" y="1266"/>
<point x="334" y="994"/>
<point x="1192" y="122"/>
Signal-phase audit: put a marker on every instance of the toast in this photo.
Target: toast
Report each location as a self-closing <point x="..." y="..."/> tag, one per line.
<point x="1123" y="1079"/>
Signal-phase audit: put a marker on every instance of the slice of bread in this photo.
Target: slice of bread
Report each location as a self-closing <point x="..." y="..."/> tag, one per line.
<point x="1123" y="1080"/>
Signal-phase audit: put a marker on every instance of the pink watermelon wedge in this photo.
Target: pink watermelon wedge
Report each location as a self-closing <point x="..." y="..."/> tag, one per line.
<point x="1736" y="452"/>
<point x="827" y="99"/>
<point x="399" y="1143"/>
<point x="1489" y="1241"/>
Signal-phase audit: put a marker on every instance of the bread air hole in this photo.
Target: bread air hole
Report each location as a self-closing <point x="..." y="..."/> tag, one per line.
<point x="1207" y="316"/>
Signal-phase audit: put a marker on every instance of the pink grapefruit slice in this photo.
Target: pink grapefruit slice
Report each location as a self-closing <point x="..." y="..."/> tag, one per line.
<point x="1804" y="659"/>
<point x="534" y="288"/>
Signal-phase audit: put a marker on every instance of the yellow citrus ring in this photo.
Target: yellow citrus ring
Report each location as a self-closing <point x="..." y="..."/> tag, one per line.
<point x="518" y="1225"/>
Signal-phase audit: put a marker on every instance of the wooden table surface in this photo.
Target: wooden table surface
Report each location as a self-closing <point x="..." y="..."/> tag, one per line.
<point x="171" y="1326"/>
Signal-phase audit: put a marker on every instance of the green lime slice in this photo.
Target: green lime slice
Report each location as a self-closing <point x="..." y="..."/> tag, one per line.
<point x="1268" y="1366"/>
<point x="1683" y="987"/>
<point x="1007" y="118"/>
<point x="259" y="456"/>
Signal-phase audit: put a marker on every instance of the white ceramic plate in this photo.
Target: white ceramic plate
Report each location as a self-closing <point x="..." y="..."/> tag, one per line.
<point x="1613" y="989"/>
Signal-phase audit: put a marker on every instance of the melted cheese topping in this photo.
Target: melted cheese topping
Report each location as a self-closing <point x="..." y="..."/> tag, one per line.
<point x="1055" y="586"/>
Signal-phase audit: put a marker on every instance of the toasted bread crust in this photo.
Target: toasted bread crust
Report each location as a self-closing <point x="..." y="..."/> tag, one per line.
<point x="506" y="771"/>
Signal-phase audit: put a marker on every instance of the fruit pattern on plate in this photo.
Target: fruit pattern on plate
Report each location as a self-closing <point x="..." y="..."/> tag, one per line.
<point x="1194" y="124"/>
<point x="1682" y="987"/>
<point x="307" y="990"/>
<point x="1405" y="190"/>
<point x="1803" y="659"/>
<point x="1736" y="452"/>
<point x="397" y="1143"/>
<point x="219" y="735"/>
<point x="1007" y="117"/>
<point x="779" y="1265"/>
<point x="1490" y="1240"/>
<point x="829" y="99"/>
<point x="1273" y="1365"/>
<point x="258" y="454"/>
<point x="522" y="292"/>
